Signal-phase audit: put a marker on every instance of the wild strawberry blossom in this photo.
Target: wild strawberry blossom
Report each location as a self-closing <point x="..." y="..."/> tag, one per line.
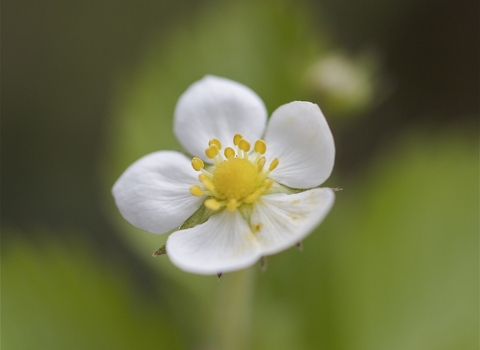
<point x="250" y="189"/>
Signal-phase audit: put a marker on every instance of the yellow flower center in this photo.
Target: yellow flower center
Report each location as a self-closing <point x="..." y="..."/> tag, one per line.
<point x="235" y="178"/>
<point x="238" y="177"/>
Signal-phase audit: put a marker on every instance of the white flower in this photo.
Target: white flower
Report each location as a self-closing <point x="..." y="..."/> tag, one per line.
<point x="259" y="199"/>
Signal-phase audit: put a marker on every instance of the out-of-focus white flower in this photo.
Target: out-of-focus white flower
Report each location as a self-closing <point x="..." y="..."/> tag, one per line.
<point x="239" y="202"/>
<point x="343" y="85"/>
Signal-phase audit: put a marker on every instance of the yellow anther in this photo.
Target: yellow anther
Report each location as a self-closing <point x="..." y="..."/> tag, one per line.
<point x="273" y="164"/>
<point x="215" y="142"/>
<point x="196" y="190"/>
<point x="197" y="163"/>
<point x="229" y="152"/>
<point x="261" y="163"/>
<point x="212" y="204"/>
<point x="232" y="205"/>
<point x="244" y="145"/>
<point x="254" y="196"/>
<point x="260" y="146"/>
<point x="206" y="182"/>
<point x="236" y="139"/>
<point x="268" y="184"/>
<point x="212" y="151"/>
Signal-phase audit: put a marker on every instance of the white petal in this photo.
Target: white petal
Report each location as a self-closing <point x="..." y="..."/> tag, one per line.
<point x="280" y="220"/>
<point x="299" y="136"/>
<point x="223" y="243"/>
<point x="153" y="194"/>
<point x="217" y="108"/>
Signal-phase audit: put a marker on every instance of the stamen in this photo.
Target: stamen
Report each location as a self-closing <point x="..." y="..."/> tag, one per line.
<point x="229" y="152"/>
<point x="258" y="192"/>
<point x="219" y="158"/>
<point x="196" y="190"/>
<point x="212" y="204"/>
<point x="254" y="196"/>
<point x="244" y="145"/>
<point x="207" y="173"/>
<point x="260" y="146"/>
<point x="212" y="151"/>
<point x="232" y="205"/>
<point x="215" y="142"/>
<point x="206" y="182"/>
<point x="268" y="184"/>
<point x="197" y="164"/>
<point x="273" y="164"/>
<point x="261" y="163"/>
<point x="236" y="139"/>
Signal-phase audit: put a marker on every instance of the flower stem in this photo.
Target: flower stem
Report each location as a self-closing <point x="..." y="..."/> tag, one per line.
<point x="233" y="325"/>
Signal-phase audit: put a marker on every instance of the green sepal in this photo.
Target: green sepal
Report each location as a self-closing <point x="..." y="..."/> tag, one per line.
<point x="160" y="251"/>
<point x="197" y="218"/>
<point x="279" y="188"/>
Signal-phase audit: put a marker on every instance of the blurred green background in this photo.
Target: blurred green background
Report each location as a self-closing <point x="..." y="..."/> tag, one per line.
<point x="88" y="87"/>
